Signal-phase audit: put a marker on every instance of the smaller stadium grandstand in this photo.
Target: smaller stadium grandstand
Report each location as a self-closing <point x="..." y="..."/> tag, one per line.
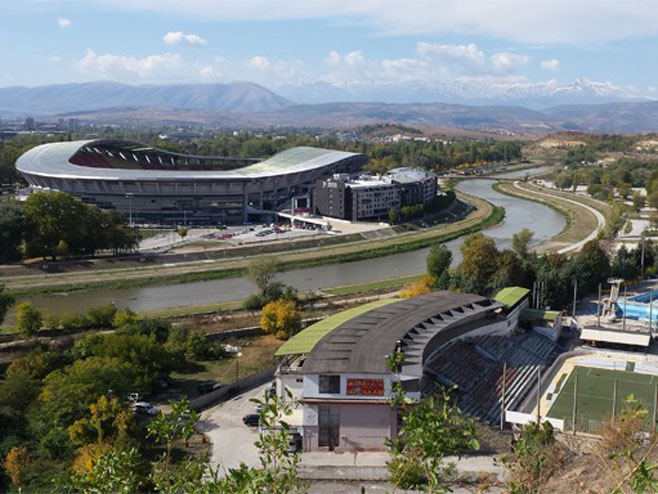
<point x="475" y="367"/>
<point x="159" y="186"/>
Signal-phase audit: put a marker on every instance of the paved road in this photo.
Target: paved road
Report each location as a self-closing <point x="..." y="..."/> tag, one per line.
<point x="232" y="441"/>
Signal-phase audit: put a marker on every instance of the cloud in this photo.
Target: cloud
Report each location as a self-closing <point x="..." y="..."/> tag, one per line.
<point x="506" y="62"/>
<point x="533" y="22"/>
<point x="552" y="65"/>
<point x="64" y="22"/>
<point x="259" y="63"/>
<point x="178" y="37"/>
<point x="117" y="67"/>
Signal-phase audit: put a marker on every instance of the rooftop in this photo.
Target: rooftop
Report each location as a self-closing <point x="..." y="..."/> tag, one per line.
<point x="511" y="295"/>
<point x="55" y="160"/>
<point x="305" y="341"/>
<point x="361" y="343"/>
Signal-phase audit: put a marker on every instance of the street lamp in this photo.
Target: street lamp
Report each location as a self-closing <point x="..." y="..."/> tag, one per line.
<point x="130" y="195"/>
<point x="237" y="365"/>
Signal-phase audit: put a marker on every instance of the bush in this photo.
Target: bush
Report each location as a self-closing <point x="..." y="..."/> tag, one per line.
<point x="124" y="318"/>
<point x="406" y="474"/>
<point x="253" y="302"/>
<point x="28" y="319"/>
<point x="51" y="321"/>
<point x="74" y="320"/>
<point x="101" y="317"/>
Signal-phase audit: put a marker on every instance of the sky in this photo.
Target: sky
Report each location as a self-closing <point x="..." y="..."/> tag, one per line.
<point x="465" y="49"/>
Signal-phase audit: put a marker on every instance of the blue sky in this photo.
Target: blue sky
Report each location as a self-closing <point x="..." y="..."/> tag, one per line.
<point x="467" y="48"/>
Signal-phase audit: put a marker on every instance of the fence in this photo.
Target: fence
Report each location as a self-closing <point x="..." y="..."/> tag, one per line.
<point x="229" y="391"/>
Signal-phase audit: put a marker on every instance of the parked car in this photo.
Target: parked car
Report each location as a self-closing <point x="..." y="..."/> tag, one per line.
<point x="251" y="419"/>
<point x="145" y="408"/>
<point x="207" y="387"/>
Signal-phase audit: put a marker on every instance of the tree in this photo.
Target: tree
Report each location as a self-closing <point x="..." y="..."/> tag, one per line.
<point x="393" y="216"/>
<point x="521" y="242"/>
<point x="479" y="261"/>
<point x="12" y="232"/>
<point x="280" y="318"/>
<point x="101" y="317"/>
<point x="430" y="430"/>
<point x="28" y="319"/>
<point x="109" y="470"/>
<point x="67" y="393"/>
<point x="638" y="201"/>
<point x="6" y="301"/>
<point x="438" y="260"/>
<point x="420" y="287"/>
<point x="124" y="318"/>
<point x="16" y="463"/>
<point x="182" y="231"/>
<point x="109" y="419"/>
<point x="261" y="272"/>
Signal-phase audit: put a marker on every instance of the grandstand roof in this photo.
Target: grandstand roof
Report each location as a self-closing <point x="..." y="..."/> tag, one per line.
<point x="361" y="343"/>
<point x="54" y="160"/>
<point x="511" y="295"/>
<point x="304" y="341"/>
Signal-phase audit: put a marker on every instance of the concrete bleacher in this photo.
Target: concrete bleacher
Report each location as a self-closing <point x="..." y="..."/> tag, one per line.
<point x="475" y="366"/>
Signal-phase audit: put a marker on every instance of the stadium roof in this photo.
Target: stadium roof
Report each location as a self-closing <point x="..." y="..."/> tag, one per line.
<point x="304" y="341"/>
<point x="53" y="160"/>
<point x="511" y="295"/>
<point x="362" y="343"/>
<point x="539" y="315"/>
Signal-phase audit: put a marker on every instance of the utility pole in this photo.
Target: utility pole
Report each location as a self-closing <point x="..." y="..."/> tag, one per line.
<point x="642" y="259"/>
<point x="502" y="404"/>
<point x="650" y="311"/>
<point x="623" y="319"/>
<point x="538" y="397"/>
<point x="575" y="295"/>
<point x="655" y="409"/>
<point x="598" y="307"/>
<point x="614" y="400"/>
<point x="575" y="400"/>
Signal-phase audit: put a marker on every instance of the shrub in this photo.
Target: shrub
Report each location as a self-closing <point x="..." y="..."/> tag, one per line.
<point x="51" y="321"/>
<point x="28" y="319"/>
<point x="253" y="302"/>
<point x="74" y="320"/>
<point x="101" y="317"/>
<point x="124" y="318"/>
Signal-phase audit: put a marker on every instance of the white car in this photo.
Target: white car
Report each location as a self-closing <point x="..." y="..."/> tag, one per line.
<point x="144" y="407"/>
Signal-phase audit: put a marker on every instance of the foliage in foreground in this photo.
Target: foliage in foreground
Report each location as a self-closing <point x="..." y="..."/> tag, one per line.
<point x="430" y="430"/>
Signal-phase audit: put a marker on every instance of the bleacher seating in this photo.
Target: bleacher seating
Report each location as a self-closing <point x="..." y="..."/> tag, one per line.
<point x="468" y="363"/>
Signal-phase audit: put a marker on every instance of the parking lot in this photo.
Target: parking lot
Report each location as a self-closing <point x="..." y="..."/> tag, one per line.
<point x="232" y="441"/>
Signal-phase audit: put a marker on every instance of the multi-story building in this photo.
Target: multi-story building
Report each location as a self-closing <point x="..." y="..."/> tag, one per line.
<point x="367" y="197"/>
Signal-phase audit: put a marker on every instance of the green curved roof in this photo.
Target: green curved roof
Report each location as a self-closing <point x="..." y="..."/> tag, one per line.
<point x="304" y="341"/>
<point x="511" y="295"/>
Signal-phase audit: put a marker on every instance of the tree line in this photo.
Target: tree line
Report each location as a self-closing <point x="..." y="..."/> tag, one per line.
<point x="57" y="225"/>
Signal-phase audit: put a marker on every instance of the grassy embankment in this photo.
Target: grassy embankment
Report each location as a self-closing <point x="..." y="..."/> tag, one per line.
<point x="580" y="221"/>
<point x="484" y="215"/>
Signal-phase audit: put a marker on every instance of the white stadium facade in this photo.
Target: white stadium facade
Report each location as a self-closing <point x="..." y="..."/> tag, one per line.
<point x="158" y="186"/>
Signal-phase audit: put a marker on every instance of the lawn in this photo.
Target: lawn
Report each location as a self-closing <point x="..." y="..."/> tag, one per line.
<point x="595" y="396"/>
<point x="257" y="355"/>
<point x="371" y="286"/>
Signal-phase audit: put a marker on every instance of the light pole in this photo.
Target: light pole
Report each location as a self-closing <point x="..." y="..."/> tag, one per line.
<point x="237" y="365"/>
<point x="130" y="195"/>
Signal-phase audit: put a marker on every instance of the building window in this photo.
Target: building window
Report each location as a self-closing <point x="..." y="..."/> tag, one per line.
<point x="330" y="384"/>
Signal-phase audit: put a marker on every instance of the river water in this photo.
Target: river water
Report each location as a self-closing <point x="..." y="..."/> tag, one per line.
<point x="519" y="214"/>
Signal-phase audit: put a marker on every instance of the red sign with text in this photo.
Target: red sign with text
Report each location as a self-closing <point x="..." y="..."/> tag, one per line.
<point x="365" y="387"/>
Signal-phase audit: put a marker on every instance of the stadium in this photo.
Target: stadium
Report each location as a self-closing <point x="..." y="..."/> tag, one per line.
<point x="157" y="186"/>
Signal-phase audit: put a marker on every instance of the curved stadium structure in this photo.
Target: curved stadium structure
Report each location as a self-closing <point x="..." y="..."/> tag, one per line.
<point x="160" y="186"/>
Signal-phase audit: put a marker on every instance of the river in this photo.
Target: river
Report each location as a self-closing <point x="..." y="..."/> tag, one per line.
<point x="519" y="214"/>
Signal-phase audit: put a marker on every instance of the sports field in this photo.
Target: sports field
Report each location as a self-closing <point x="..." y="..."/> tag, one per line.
<point x="595" y="395"/>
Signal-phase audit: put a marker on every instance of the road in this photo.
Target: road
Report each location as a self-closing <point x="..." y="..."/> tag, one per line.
<point x="600" y="219"/>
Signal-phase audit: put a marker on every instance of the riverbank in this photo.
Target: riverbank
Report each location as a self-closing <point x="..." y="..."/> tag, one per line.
<point x="483" y="215"/>
<point x="582" y="220"/>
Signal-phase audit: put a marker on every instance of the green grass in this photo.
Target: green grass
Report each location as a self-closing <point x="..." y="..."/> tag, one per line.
<point x="372" y="286"/>
<point x="595" y="396"/>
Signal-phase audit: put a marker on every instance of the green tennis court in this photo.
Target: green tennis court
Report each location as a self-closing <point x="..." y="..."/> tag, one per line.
<point x="595" y="396"/>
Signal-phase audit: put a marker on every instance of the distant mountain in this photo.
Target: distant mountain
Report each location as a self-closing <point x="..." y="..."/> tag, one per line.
<point x="62" y="98"/>
<point x="609" y="118"/>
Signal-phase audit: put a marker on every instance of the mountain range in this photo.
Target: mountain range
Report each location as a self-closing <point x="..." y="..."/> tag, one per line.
<point x="249" y="105"/>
